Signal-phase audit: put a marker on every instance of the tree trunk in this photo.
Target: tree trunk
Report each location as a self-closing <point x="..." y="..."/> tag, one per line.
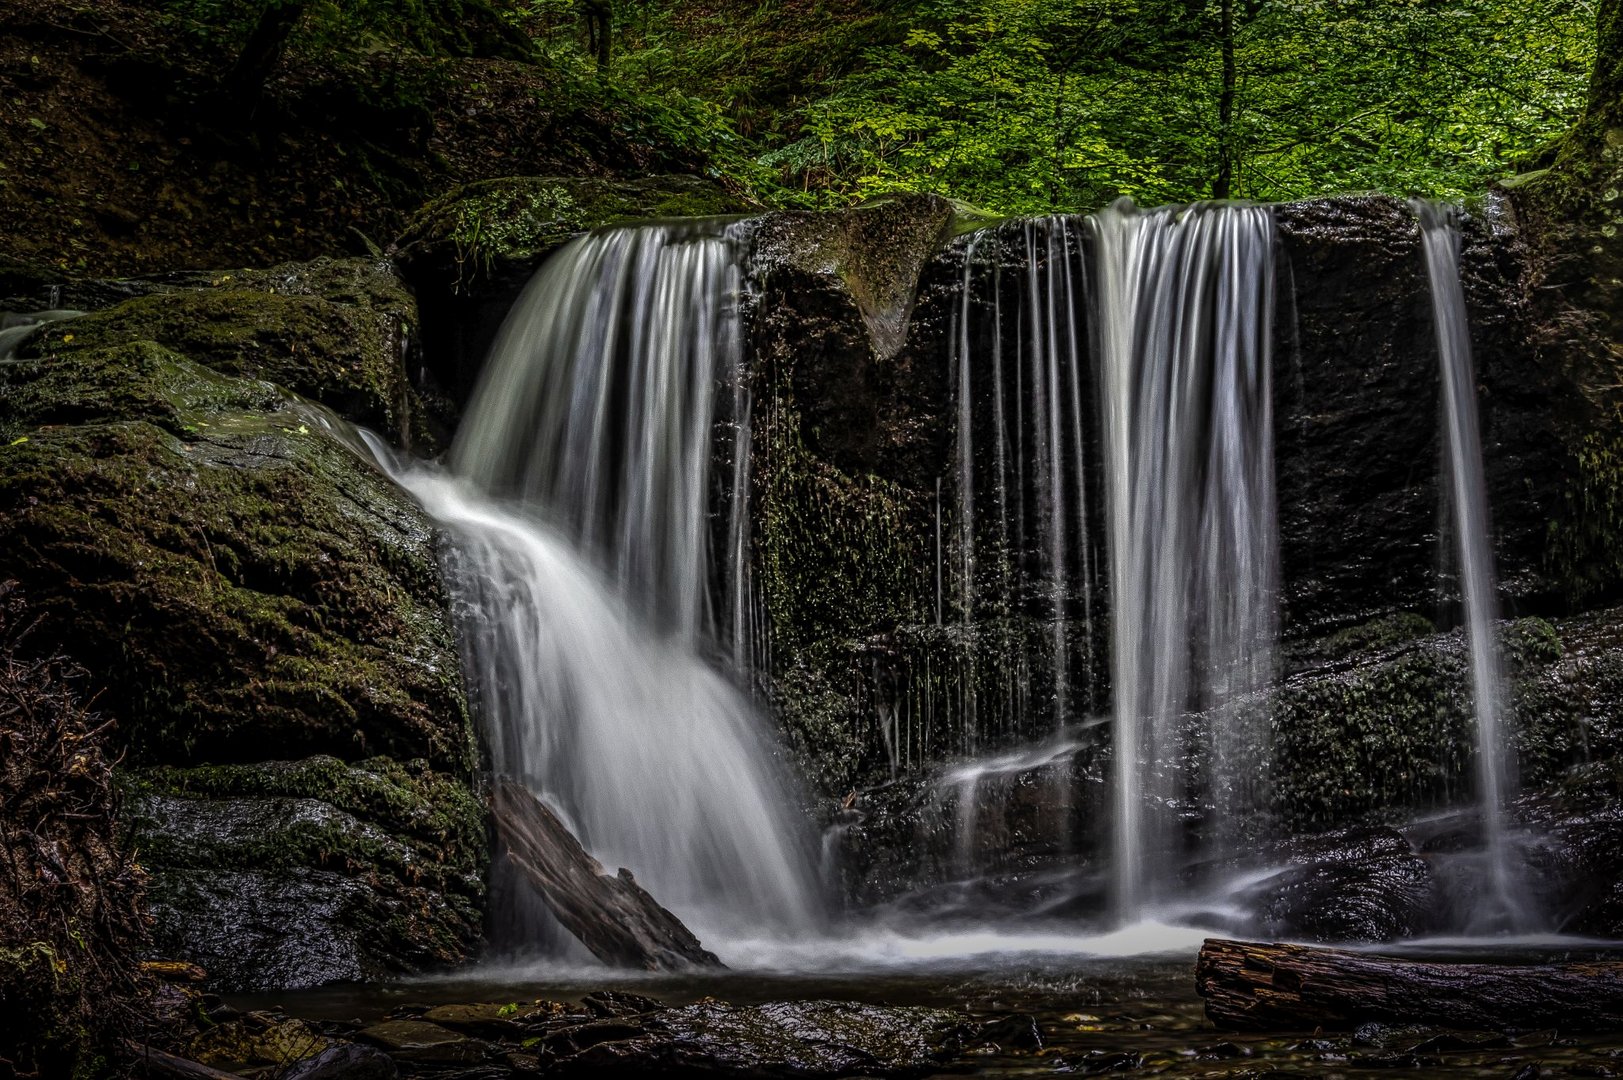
<point x="612" y="916"/>
<point x="246" y="80"/>
<point x="600" y="29"/>
<point x="1296" y="988"/>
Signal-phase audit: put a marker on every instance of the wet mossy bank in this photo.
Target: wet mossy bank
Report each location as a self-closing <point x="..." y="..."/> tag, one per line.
<point x="263" y="608"/>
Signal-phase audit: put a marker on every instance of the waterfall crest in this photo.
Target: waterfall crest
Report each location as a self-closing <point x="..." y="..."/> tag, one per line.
<point x="579" y="507"/>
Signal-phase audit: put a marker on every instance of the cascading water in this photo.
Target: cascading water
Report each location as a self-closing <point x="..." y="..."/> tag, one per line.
<point x="1505" y="907"/>
<point x="1021" y="549"/>
<point x="1183" y="308"/>
<point x="579" y="508"/>
<point x="1020" y="545"/>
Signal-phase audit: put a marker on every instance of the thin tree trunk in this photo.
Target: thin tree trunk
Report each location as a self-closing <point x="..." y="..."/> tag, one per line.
<point x="600" y="29"/>
<point x="245" y="83"/>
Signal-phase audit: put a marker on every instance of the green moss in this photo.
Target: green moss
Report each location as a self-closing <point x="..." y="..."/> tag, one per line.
<point x="262" y="582"/>
<point x="837" y="554"/>
<point x="1386" y="632"/>
<point x="480" y="226"/>
<point x="1395" y="730"/>
<point x="345" y="357"/>
<point x="1585" y="544"/>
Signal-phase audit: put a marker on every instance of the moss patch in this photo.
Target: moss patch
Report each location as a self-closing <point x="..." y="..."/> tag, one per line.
<point x="345" y="357"/>
<point x="479" y="228"/>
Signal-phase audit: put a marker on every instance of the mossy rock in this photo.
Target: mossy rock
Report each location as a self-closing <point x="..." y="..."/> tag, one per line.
<point x="246" y="585"/>
<point x="877" y="250"/>
<point x="236" y="574"/>
<point x="388" y="856"/>
<point x="346" y="356"/>
<point x="485" y="229"/>
<point x="1389" y="728"/>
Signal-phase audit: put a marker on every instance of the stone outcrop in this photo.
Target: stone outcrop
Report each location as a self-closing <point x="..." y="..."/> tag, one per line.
<point x="264" y="610"/>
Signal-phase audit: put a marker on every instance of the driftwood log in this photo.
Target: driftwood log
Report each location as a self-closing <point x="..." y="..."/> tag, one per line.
<point x="1251" y="986"/>
<point x="612" y="915"/>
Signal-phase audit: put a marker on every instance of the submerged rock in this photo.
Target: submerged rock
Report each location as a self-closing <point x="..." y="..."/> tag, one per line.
<point x="803" y="1039"/>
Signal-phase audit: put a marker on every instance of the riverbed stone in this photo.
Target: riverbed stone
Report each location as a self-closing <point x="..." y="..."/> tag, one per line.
<point x="420" y="1041"/>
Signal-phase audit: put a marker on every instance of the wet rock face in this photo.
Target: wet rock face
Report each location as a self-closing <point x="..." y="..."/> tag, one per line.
<point x="247" y="587"/>
<point x="1359" y="439"/>
<point x="854" y="472"/>
<point x="1372" y="724"/>
<point x="1363" y="885"/>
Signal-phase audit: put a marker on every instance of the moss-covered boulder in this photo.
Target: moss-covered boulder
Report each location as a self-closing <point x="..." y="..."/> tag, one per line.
<point x="334" y="332"/>
<point x="224" y="557"/>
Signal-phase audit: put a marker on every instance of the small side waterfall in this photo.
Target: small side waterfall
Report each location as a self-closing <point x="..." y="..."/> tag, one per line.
<point x="1184" y="307"/>
<point x="580" y="509"/>
<point x="1019" y="558"/>
<point x="1467" y="498"/>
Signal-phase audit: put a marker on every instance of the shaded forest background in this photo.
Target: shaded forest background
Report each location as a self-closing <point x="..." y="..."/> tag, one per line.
<point x="1023" y="106"/>
<point x="160" y="133"/>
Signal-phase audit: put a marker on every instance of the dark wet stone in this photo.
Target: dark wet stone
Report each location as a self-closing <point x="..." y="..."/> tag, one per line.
<point x="419" y="1041"/>
<point x="491" y="1019"/>
<point x="609" y="1003"/>
<point x="1019" y="1032"/>
<point x="1223" y="1051"/>
<point x="1361" y="885"/>
<point x="1097" y="1062"/>
<point x="349" y="1061"/>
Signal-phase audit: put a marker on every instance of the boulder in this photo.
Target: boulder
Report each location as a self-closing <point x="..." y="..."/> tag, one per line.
<point x="337" y="333"/>
<point x="250" y="590"/>
<point x="280" y="875"/>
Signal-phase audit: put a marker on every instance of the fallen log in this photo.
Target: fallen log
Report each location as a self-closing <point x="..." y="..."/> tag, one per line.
<point x="612" y="915"/>
<point x="1250" y="986"/>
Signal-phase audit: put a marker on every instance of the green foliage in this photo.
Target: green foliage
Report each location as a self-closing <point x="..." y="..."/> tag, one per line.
<point x="1025" y="106"/>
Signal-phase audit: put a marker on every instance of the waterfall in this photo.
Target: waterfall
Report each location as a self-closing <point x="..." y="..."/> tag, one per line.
<point x="579" y="510"/>
<point x="1468" y="499"/>
<point x="1184" y="303"/>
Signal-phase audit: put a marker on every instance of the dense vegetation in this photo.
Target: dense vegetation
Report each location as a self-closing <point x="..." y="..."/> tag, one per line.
<point x="1030" y="105"/>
